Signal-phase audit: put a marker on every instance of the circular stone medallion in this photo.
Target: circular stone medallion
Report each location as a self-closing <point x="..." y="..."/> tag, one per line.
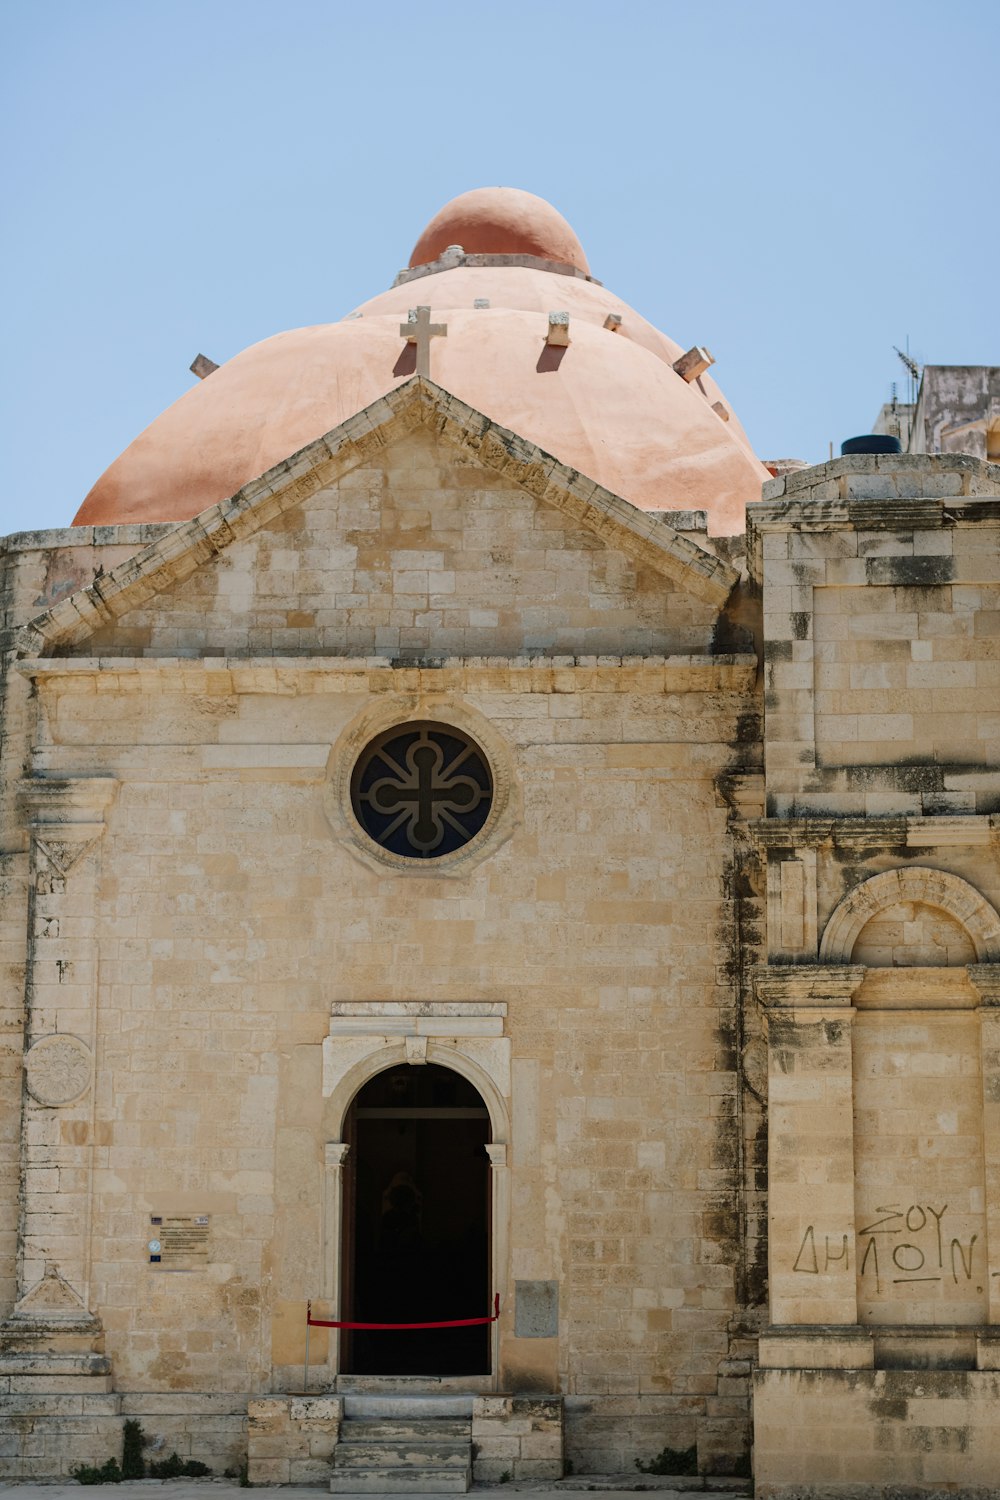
<point x="422" y="790"/>
<point x="59" y="1069"/>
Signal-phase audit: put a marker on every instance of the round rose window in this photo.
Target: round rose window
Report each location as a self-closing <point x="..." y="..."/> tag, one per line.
<point x="422" y="790"/>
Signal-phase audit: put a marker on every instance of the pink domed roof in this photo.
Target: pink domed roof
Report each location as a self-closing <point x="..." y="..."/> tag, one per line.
<point x="609" y="404"/>
<point x="500" y="221"/>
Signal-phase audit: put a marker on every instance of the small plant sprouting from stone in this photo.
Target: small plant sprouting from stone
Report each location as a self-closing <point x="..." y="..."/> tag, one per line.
<point x="108" y="1473"/>
<point x="134" y="1466"/>
<point x="133" y="1442"/>
<point x="505" y="1477"/>
<point x="176" y="1467"/>
<point x="671" y="1461"/>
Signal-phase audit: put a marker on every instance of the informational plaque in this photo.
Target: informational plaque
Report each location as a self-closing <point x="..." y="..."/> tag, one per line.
<point x="178" y="1242"/>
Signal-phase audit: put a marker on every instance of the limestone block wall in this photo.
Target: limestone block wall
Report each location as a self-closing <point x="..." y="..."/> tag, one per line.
<point x="37" y="569"/>
<point x="235" y="912"/>
<point x="421" y="553"/>
<point x="232" y="914"/>
<point x="46" y="1434"/>
<point x="520" y="1437"/>
<point x="880" y="579"/>
<point x="879" y="584"/>
<point x="291" y="1441"/>
<point x="837" y="1434"/>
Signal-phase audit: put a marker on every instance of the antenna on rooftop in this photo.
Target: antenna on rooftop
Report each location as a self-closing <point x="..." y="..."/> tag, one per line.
<point x="912" y="369"/>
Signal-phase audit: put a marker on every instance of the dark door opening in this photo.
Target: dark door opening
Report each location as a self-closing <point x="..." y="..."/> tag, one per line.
<point x="416" y="1224"/>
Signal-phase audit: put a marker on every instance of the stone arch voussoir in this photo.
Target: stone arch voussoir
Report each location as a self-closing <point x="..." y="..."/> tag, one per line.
<point x="913" y="883"/>
<point x="385" y="1055"/>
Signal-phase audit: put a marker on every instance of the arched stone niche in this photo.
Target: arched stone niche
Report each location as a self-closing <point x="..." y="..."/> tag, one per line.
<point x="968" y="928"/>
<point x="925" y="1238"/>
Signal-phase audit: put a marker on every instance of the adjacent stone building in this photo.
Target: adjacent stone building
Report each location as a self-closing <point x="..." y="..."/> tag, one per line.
<point x="460" y="843"/>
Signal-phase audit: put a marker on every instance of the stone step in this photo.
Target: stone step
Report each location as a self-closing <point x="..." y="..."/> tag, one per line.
<point x="413" y="1455"/>
<point x="396" y="1430"/>
<point x="408" y="1407"/>
<point x="439" y="1479"/>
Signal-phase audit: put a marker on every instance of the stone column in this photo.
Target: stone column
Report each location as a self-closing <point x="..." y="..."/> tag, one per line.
<point x="334" y="1157"/>
<point x="65" y="821"/>
<point x="810" y="1143"/>
<point x="986" y="978"/>
<point x="500" y="1207"/>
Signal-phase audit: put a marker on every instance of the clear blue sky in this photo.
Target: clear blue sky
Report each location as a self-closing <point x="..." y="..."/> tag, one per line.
<point x="797" y="185"/>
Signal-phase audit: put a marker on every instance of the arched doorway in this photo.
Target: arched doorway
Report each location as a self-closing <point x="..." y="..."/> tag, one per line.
<point x="416" y="1223"/>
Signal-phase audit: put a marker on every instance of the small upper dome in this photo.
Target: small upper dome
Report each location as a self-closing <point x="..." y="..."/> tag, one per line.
<point x="500" y="221"/>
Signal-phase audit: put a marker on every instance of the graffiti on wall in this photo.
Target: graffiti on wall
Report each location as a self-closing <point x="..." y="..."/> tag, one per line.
<point x="897" y="1246"/>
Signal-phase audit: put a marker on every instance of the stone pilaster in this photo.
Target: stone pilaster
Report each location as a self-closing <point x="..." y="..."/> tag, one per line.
<point x="810" y="1142"/>
<point x="52" y="1316"/>
<point x="334" y="1161"/>
<point x="986" y="978"/>
<point x="500" y="1203"/>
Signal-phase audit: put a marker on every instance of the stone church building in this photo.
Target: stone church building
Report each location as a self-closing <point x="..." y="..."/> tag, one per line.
<point x="471" y="831"/>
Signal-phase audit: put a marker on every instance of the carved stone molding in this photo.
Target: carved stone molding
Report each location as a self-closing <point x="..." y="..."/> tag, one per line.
<point x="911" y="883"/>
<point x="50" y="1307"/>
<point x="914" y="832"/>
<point x="79" y="799"/>
<point x="66" y="817"/>
<point x="59" y="1069"/>
<point x="368" y="1036"/>
<point x="986" y="978"/>
<point x="807" y="986"/>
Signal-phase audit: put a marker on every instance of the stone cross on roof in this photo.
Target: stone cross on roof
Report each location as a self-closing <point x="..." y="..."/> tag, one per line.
<point x="418" y="329"/>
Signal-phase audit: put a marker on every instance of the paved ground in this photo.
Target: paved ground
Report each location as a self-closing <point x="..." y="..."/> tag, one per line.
<point x="598" y="1486"/>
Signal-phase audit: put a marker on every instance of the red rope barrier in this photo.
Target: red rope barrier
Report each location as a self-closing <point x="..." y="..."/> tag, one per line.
<point x="312" y="1322"/>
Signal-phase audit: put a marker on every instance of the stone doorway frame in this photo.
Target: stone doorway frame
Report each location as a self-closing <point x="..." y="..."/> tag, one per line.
<point x="369" y="1037"/>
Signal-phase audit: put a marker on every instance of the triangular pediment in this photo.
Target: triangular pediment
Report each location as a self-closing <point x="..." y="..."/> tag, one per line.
<point x="418" y="405"/>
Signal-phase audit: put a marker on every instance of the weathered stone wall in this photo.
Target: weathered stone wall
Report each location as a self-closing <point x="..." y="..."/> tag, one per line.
<point x="291" y="1440"/>
<point x="421" y="554"/>
<point x="47" y="1434"/>
<point x="879" y="589"/>
<point x="233" y="906"/>
<point x="843" y="1434"/>
<point x="230" y="917"/>
<point x="37" y="569"/>
<point x="520" y="1437"/>
<point x="922" y="1254"/>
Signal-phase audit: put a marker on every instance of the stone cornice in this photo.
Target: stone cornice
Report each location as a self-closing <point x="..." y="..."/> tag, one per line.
<point x="62" y="801"/>
<point x="986" y="978"/>
<point x="876" y="833"/>
<point x="807" y="986"/>
<point x="417" y="403"/>
<point x="221" y="676"/>
<point x="876" y="492"/>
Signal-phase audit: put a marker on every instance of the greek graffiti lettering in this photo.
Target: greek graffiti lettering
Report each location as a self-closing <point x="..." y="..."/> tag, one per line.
<point x="871" y="1252"/>
<point x="808" y="1242"/>
<point x="807" y="1260"/>
<point x="924" y="1262"/>
<point x="966" y="1264"/>
<point x="843" y="1254"/>
<point x="908" y="1250"/>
